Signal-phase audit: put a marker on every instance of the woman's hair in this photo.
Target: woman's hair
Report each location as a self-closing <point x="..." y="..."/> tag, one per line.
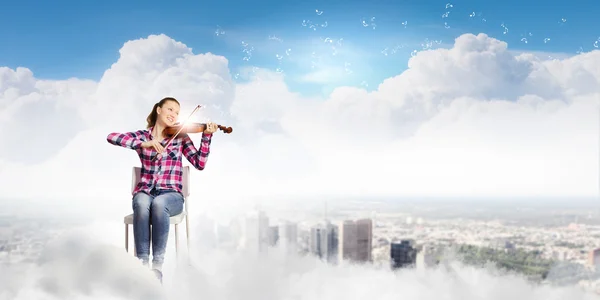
<point x="151" y="119"/>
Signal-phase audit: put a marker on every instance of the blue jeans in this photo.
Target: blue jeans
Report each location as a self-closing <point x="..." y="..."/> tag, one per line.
<point x="154" y="209"/>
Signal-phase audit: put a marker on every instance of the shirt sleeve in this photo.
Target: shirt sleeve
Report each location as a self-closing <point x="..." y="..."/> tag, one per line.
<point x="197" y="158"/>
<point x="131" y="140"/>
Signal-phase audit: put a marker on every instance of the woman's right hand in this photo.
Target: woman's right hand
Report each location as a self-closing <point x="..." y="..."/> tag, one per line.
<point x="153" y="144"/>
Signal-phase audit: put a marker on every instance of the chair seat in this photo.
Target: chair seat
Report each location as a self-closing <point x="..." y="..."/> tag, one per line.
<point x="173" y="220"/>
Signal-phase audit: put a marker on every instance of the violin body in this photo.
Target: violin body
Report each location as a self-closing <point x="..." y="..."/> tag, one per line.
<point x="190" y="128"/>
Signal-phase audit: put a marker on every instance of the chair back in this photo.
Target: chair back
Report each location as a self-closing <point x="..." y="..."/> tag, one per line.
<point x="136" y="177"/>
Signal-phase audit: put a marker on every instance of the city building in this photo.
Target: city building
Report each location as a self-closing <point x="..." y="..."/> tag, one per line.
<point x="273" y="235"/>
<point x="355" y="240"/>
<point x="288" y="236"/>
<point x="594" y="257"/>
<point x="315" y="240"/>
<point x="403" y="254"/>
<point x="427" y="257"/>
<point x="256" y="233"/>
<point x="324" y="242"/>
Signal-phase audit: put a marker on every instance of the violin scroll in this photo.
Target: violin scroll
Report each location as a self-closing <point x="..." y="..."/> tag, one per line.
<point x="227" y="130"/>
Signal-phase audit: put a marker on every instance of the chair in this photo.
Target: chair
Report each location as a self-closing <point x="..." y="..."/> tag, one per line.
<point x="174" y="220"/>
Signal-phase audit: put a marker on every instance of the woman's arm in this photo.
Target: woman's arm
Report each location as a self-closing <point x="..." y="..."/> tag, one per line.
<point x="129" y="140"/>
<point x="197" y="158"/>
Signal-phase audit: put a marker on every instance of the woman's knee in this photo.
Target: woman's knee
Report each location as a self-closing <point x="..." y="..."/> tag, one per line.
<point x="141" y="202"/>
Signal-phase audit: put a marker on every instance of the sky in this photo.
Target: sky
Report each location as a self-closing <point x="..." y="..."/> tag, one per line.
<point x="473" y="113"/>
<point x="63" y="39"/>
<point x="479" y="114"/>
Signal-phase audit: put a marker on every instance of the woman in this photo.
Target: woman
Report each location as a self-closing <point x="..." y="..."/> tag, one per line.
<point x="158" y="195"/>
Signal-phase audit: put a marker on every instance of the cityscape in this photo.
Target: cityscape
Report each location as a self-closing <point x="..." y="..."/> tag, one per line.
<point x="562" y="249"/>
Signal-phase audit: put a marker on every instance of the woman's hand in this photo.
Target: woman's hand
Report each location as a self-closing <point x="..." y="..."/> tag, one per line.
<point x="210" y="128"/>
<point x="153" y="144"/>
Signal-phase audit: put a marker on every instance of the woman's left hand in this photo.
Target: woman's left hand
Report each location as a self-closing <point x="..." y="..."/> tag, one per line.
<point x="210" y="128"/>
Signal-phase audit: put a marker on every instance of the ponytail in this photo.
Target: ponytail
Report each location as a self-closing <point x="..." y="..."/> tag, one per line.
<point x="151" y="119"/>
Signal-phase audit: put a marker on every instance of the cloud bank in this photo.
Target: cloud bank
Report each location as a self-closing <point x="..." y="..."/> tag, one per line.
<point x="78" y="266"/>
<point x="474" y="120"/>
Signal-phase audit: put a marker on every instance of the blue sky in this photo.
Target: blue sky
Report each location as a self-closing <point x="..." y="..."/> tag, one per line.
<point x="61" y="39"/>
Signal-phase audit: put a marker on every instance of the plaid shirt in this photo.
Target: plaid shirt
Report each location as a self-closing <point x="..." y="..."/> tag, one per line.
<point x="166" y="172"/>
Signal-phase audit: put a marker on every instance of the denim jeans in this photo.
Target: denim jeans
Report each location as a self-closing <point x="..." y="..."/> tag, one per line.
<point x="154" y="209"/>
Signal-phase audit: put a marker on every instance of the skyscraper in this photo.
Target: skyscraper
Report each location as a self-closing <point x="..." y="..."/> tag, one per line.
<point x="288" y="236"/>
<point x="403" y="254"/>
<point x="315" y="240"/>
<point x="427" y="257"/>
<point x="257" y="231"/>
<point x="356" y="240"/>
<point x="273" y="235"/>
<point x="594" y="257"/>
<point x="329" y="242"/>
<point x="324" y="242"/>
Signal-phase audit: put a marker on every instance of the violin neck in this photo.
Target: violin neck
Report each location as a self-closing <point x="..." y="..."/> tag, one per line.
<point x="219" y="126"/>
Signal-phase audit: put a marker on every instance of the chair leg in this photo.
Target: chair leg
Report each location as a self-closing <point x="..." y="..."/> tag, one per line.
<point x="134" y="249"/>
<point x="177" y="240"/>
<point x="187" y="234"/>
<point x="127" y="238"/>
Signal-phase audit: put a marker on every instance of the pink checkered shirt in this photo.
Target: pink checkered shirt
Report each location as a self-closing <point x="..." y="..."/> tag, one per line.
<point x="166" y="172"/>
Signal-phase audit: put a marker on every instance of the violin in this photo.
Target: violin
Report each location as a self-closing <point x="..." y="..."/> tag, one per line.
<point x="182" y="129"/>
<point x="177" y="130"/>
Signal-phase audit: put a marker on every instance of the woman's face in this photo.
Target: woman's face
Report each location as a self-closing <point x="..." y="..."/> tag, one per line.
<point x="168" y="113"/>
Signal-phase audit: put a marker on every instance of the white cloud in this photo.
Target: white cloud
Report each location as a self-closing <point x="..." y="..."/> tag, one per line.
<point x="473" y="120"/>
<point x="544" y="55"/>
<point x="78" y="266"/>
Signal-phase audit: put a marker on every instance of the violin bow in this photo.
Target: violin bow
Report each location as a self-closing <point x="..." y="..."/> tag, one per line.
<point x="178" y="131"/>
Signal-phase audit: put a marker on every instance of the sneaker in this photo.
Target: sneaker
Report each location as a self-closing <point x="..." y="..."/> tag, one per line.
<point x="158" y="275"/>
